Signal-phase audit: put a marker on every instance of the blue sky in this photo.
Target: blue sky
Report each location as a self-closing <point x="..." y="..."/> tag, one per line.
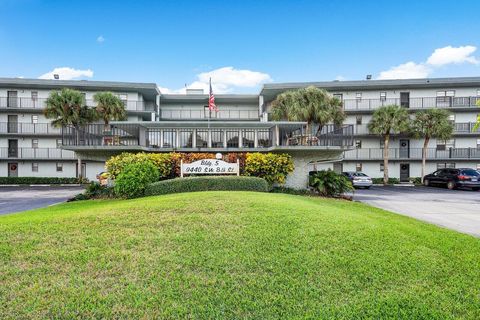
<point x="240" y="44"/>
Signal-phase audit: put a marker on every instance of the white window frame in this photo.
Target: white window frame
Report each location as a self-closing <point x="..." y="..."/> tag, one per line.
<point x="382" y="167"/>
<point x="383" y="96"/>
<point x="358" y="96"/>
<point x="59" y="167"/>
<point x="357" y="118"/>
<point x="34" y="118"/>
<point x="35" y="143"/>
<point x="34" y="166"/>
<point x="357" y="166"/>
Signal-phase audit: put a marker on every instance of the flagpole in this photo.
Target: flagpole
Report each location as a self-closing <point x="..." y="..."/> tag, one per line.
<point x="209" y="110"/>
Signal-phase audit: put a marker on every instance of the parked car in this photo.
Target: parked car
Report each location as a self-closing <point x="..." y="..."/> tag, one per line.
<point x="454" y="178"/>
<point x="358" y="179"/>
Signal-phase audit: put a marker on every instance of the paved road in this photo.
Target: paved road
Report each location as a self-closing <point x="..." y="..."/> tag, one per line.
<point x="15" y="199"/>
<point x="454" y="209"/>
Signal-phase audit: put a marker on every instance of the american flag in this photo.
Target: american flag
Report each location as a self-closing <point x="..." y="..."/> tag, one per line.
<point x="211" y="99"/>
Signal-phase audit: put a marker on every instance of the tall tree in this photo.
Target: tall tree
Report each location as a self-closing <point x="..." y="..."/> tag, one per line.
<point x="431" y="124"/>
<point x="477" y="125"/>
<point x="313" y="105"/>
<point x="385" y="121"/>
<point x="67" y="108"/>
<point x="109" y="108"/>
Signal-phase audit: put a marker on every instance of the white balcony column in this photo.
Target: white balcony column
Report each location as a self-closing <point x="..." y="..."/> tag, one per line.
<point x="161" y="138"/>
<point x="224" y="138"/>
<point x="255" y="138"/>
<point x="177" y="138"/>
<point x="277" y="135"/>
<point x="240" y="138"/>
<point x="194" y="138"/>
<point x="209" y="138"/>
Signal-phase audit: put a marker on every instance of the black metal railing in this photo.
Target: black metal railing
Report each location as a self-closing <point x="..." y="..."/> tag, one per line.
<point x="36" y="153"/>
<point x="101" y="135"/>
<point x="40" y="103"/>
<point x="28" y="128"/>
<point x="412" y="153"/>
<point x="459" y="128"/>
<point x="412" y="103"/>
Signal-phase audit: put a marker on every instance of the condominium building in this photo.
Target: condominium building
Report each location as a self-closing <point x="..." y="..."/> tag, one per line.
<point x="159" y="122"/>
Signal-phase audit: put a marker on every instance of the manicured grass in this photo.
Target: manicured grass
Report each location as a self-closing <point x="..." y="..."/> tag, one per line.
<point x="233" y="255"/>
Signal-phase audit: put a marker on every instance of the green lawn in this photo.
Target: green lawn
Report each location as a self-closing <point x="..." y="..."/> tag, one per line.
<point x="233" y="255"/>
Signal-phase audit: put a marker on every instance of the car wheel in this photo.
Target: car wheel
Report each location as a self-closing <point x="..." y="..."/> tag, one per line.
<point x="475" y="189"/>
<point x="426" y="183"/>
<point x="450" y="185"/>
<point x="367" y="187"/>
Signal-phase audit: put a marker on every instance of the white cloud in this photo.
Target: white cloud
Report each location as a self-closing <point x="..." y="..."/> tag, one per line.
<point x="407" y="70"/>
<point x="440" y="57"/>
<point x="449" y="54"/>
<point x="340" y="78"/>
<point x="100" y="39"/>
<point x="67" y="73"/>
<point x="224" y="80"/>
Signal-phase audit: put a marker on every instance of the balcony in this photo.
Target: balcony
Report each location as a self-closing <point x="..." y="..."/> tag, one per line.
<point x="412" y="103"/>
<point x="203" y="136"/>
<point x="460" y="128"/>
<point x="36" y="153"/>
<point x="201" y="114"/>
<point x="414" y="154"/>
<point x="28" y="128"/>
<point x="40" y="103"/>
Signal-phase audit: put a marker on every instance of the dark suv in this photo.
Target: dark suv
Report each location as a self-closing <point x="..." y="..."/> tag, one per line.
<point x="454" y="178"/>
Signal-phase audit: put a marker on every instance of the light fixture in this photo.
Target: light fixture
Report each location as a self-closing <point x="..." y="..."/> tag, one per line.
<point x="56" y="76"/>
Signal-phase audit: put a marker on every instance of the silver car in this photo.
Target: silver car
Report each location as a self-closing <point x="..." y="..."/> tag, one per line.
<point x="359" y="179"/>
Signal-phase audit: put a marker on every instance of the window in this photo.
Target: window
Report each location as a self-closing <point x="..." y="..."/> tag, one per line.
<point x="445" y="96"/>
<point x="59" y="167"/>
<point x="338" y="96"/>
<point x="451" y="118"/>
<point x="478" y="166"/>
<point x="186" y="139"/>
<point x="232" y="139"/>
<point x="446" y="165"/>
<point x="248" y="138"/>
<point x="358" y="167"/>
<point x="263" y="137"/>
<point x="445" y="144"/>
<point x="202" y="139"/>
<point x="59" y="143"/>
<point x="478" y="143"/>
<point x="34" y="166"/>
<point x="383" y="96"/>
<point x="359" y="119"/>
<point x="217" y="138"/>
<point x="358" y="144"/>
<point x="381" y="167"/>
<point x="358" y="96"/>
<point x="169" y="138"/>
<point x="34" y="95"/>
<point x="122" y="96"/>
<point x="382" y="143"/>
<point x="34" y="143"/>
<point x="34" y="119"/>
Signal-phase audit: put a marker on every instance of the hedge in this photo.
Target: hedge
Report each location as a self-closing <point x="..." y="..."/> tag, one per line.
<point x="38" y="180"/>
<point x="192" y="184"/>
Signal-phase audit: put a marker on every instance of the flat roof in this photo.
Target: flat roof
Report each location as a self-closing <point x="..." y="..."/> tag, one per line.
<point x="148" y="90"/>
<point x="271" y="90"/>
<point x="212" y="124"/>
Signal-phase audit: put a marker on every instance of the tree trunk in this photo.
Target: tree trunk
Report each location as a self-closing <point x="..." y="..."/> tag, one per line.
<point x="385" y="159"/>
<point x="79" y="168"/>
<point x="424" y="155"/>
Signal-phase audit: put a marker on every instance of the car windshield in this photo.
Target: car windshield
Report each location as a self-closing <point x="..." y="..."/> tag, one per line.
<point x="359" y="174"/>
<point x="470" y="172"/>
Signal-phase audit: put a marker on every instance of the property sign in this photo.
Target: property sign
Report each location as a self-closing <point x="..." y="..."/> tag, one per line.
<point x="209" y="166"/>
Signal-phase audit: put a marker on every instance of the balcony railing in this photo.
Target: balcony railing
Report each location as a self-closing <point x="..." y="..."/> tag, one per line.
<point x="413" y="154"/>
<point x="40" y="103"/>
<point x="200" y="114"/>
<point x="28" y="128"/>
<point x="135" y="135"/>
<point x="412" y="103"/>
<point x="36" y="153"/>
<point x="459" y="128"/>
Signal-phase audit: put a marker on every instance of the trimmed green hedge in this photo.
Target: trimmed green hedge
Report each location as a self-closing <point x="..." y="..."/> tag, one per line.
<point x="192" y="184"/>
<point x="390" y="180"/>
<point x="38" y="180"/>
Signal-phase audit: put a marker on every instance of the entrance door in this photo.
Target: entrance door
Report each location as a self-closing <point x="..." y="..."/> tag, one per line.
<point x="12" y="148"/>
<point x="404" y="148"/>
<point x="84" y="169"/>
<point x="404" y="172"/>
<point x="405" y="99"/>
<point x="12" y="124"/>
<point x="338" y="167"/>
<point x="13" y="169"/>
<point x="12" y="101"/>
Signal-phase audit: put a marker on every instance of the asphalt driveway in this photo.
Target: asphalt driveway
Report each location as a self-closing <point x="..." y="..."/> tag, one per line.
<point x="454" y="209"/>
<point x="16" y="199"/>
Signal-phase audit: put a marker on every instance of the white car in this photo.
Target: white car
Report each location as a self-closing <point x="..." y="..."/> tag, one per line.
<point x="358" y="179"/>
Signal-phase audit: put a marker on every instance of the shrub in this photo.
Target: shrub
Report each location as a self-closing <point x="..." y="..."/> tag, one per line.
<point x="390" y="180"/>
<point x="416" y="180"/>
<point x="164" y="162"/>
<point x="299" y="192"/>
<point x="328" y="183"/>
<point x="272" y="167"/>
<point x="40" y="180"/>
<point x="191" y="184"/>
<point x="134" y="177"/>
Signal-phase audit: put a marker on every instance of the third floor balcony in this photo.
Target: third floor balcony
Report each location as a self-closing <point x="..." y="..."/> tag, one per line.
<point x="28" y="128"/>
<point x="411" y="103"/>
<point x="460" y="128"/>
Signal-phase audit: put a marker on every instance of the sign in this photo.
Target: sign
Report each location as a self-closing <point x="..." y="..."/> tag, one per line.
<point x="209" y="166"/>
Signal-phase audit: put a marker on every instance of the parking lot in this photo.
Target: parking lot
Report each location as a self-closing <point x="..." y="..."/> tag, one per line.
<point x="16" y="199"/>
<point x="454" y="209"/>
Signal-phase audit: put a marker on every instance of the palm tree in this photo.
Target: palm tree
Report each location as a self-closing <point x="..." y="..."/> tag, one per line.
<point x="477" y="125"/>
<point x="428" y="124"/>
<point x="385" y="121"/>
<point x="67" y="108"/>
<point x="312" y="105"/>
<point x="109" y="108"/>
